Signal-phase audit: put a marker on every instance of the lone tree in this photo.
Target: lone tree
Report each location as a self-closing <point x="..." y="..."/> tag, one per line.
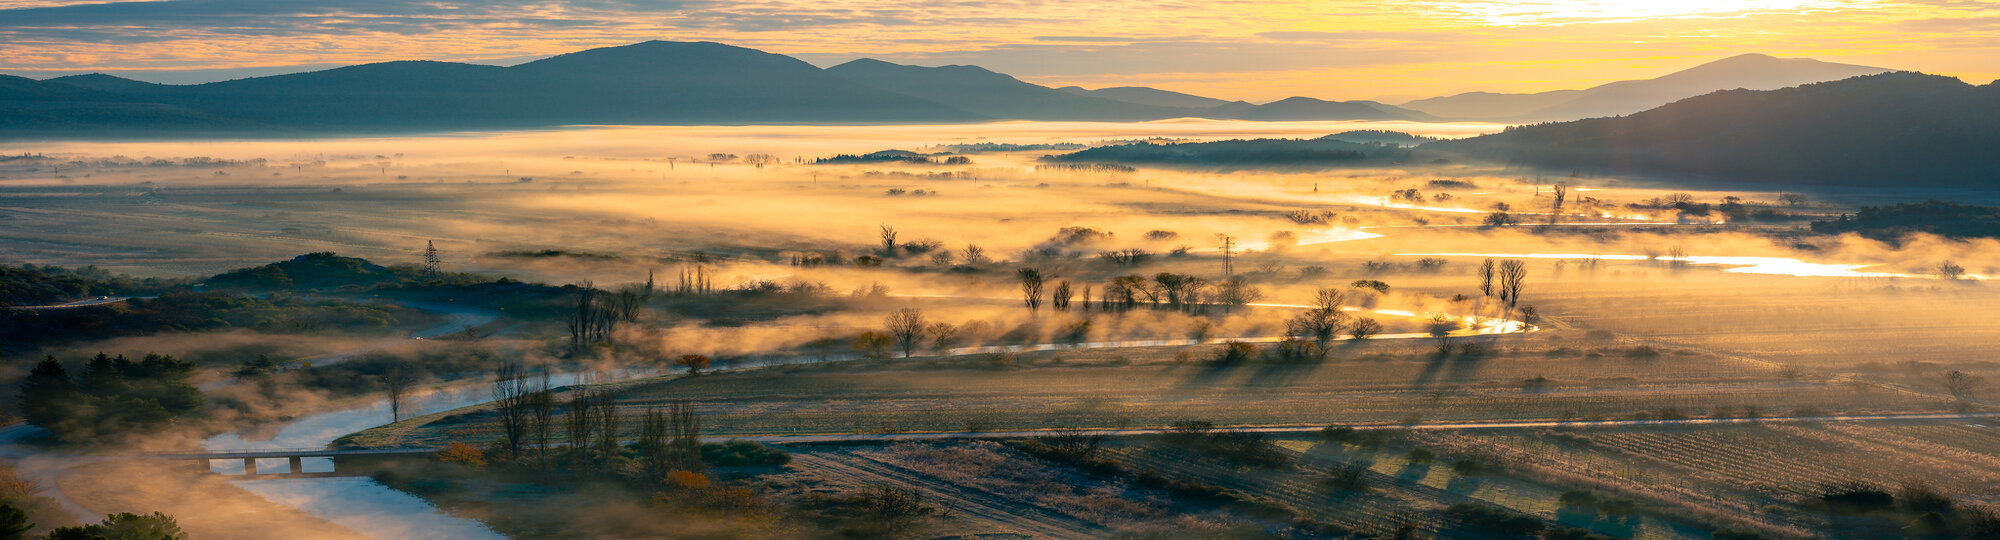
<point x="511" y="396"/>
<point x="1960" y="384"/>
<point x="397" y="381"/>
<point x="907" y="326"/>
<point x="975" y="255"/>
<point x="1031" y="287"/>
<point x="1364" y="329"/>
<point x="1950" y="270"/>
<point x="1486" y="270"/>
<point x="693" y="362"/>
<point x="1322" y="323"/>
<point x="888" y="241"/>
<point x="1556" y="207"/>
<point x="1440" y="329"/>
<point x="1060" y="297"/>
<point x="1512" y="273"/>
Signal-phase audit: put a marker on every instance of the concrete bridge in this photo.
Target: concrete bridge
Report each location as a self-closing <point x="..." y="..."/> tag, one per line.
<point x="294" y="456"/>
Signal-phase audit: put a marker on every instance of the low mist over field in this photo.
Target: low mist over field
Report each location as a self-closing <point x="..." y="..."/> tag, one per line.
<point x="1554" y="270"/>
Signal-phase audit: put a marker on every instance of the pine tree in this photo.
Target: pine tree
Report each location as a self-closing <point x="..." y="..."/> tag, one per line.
<point x="47" y="394"/>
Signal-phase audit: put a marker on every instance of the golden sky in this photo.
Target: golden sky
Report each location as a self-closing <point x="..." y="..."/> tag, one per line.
<point x="1234" y="49"/>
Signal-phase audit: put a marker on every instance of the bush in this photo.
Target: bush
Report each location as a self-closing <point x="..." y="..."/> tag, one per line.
<point x="1735" y="533"/>
<point x="1855" y="499"/>
<point x="1421" y="455"/>
<point x="1251" y="449"/>
<point x="1235" y="352"/>
<point x="1352" y="477"/>
<point x="1467" y="467"/>
<point x="1479" y="516"/>
<point x="743" y="454"/>
<point x="1573" y="533"/>
<point x="1579" y="498"/>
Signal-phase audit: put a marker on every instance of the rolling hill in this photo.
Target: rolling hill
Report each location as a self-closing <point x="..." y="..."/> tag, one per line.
<point x="1890" y="129"/>
<point x="1749" y="71"/>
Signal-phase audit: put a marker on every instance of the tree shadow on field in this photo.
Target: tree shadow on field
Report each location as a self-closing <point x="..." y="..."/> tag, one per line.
<point x="1281" y="373"/>
<point x="1413" y="472"/>
<point x="1457" y="366"/>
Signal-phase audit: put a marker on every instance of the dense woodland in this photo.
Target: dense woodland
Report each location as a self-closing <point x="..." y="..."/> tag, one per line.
<point x="1935" y="217"/>
<point x="1241" y="153"/>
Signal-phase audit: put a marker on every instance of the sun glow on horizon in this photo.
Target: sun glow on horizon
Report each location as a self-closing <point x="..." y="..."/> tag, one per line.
<point x="1556" y="12"/>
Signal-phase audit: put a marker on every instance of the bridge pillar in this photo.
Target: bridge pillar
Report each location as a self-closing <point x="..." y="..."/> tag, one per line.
<point x="249" y="466"/>
<point x="298" y="465"/>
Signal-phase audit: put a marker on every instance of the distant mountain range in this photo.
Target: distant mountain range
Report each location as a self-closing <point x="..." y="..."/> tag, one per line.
<point x="665" y="83"/>
<point x="1889" y="129"/>
<point x="655" y="82"/>
<point x="1749" y="71"/>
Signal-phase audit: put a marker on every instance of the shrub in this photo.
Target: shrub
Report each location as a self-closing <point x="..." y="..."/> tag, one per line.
<point x="1421" y="455"/>
<point x="1352" y="477"/>
<point x="1735" y="533"/>
<point x="1467" y="467"/>
<point x="1235" y="352"/>
<point x="1479" y="516"/>
<point x="742" y="454"/>
<point x="1854" y="498"/>
<point x="463" y="454"/>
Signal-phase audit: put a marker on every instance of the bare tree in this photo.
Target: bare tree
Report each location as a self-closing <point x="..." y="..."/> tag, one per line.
<point x="1950" y="270"/>
<point x="907" y="327"/>
<point x="511" y="393"/>
<point x="607" y="429"/>
<point x="1512" y="273"/>
<point x="975" y="255"/>
<point x="1060" y="297"/>
<point x="541" y="420"/>
<point x="1322" y="323"/>
<point x="943" y="336"/>
<point x="1235" y="292"/>
<point x="888" y="241"/>
<point x="1960" y="384"/>
<point x="1556" y="207"/>
<point x="397" y="380"/>
<point x="1440" y="329"/>
<point x="580" y="424"/>
<point x="653" y="450"/>
<point x="1364" y="328"/>
<point x="695" y="280"/>
<point x="1486" y="277"/>
<point x="685" y="428"/>
<point x="591" y="321"/>
<point x="941" y="258"/>
<point x="1031" y="287"/>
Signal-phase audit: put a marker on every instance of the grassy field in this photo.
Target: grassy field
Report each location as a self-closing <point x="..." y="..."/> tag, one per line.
<point x="1523" y="377"/>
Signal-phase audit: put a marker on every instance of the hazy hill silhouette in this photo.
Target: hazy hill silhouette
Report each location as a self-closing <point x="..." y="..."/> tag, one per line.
<point x="654" y="82"/>
<point x="1149" y="96"/>
<point x="29" y="107"/>
<point x="1748" y="71"/>
<point x="997" y="95"/>
<point x="1305" y="108"/>
<point x="1891" y="129"/>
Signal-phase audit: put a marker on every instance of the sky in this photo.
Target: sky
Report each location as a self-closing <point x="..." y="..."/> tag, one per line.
<point x="1234" y="49"/>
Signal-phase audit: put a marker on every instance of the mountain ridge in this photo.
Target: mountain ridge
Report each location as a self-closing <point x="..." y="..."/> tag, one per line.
<point x="1751" y="71"/>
